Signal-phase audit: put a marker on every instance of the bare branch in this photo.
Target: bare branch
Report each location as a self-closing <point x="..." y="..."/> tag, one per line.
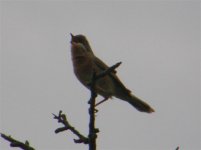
<point x="16" y="143"/>
<point x="62" y="119"/>
<point x="92" y="129"/>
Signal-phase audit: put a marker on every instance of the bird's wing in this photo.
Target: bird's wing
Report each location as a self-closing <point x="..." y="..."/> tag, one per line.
<point x="99" y="63"/>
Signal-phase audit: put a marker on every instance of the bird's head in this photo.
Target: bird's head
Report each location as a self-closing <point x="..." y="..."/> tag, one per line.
<point x="82" y="40"/>
<point x="79" y="39"/>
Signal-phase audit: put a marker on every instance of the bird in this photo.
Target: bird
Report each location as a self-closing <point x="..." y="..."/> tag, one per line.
<point x="85" y="63"/>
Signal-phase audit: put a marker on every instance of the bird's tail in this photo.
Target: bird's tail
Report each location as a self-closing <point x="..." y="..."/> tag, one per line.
<point x="139" y="104"/>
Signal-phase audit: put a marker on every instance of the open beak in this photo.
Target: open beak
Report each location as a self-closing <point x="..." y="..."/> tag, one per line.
<point x="72" y="36"/>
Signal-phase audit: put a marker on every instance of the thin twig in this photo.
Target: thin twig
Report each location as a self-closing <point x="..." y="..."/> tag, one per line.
<point x="62" y="119"/>
<point x="177" y="148"/>
<point x="92" y="129"/>
<point x="108" y="71"/>
<point x="16" y="143"/>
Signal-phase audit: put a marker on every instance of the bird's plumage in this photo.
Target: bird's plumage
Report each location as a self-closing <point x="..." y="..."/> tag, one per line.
<point x="85" y="62"/>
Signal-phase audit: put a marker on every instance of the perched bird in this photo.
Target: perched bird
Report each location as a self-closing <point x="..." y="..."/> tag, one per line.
<point x="85" y="62"/>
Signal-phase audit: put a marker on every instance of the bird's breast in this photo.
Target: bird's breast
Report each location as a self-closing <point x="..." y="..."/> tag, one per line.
<point x="83" y="69"/>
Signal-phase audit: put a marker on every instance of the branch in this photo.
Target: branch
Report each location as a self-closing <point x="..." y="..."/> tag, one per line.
<point x="62" y="119"/>
<point x="92" y="129"/>
<point x="15" y="143"/>
<point x="108" y="71"/>
<point x="177" y="148"/>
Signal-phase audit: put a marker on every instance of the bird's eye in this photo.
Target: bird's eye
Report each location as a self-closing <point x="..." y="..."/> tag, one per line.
<point x="78" y="40"/>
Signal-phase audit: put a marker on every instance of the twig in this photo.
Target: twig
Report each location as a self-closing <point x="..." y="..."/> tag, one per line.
<point x="62" y="119"/>
<point x="15" y="143"/>
<point x="177" y="148"/>
<point x="92" y="129"/>
<point x="107" y="71"/>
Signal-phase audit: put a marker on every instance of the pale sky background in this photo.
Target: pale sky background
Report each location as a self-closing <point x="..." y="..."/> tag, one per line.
<point x="158" y="43"/>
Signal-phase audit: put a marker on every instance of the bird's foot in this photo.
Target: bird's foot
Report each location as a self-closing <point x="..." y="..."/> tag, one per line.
<point x="105" y="99"/>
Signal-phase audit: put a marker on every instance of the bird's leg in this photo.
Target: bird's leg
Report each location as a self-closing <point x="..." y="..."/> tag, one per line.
<point x="105" y="99"/>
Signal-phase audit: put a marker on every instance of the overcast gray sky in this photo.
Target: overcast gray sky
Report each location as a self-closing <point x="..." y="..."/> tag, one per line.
<point x="158" y="43"/>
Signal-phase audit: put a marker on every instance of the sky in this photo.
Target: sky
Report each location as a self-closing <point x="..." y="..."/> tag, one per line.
<point x="158" y="43"/>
